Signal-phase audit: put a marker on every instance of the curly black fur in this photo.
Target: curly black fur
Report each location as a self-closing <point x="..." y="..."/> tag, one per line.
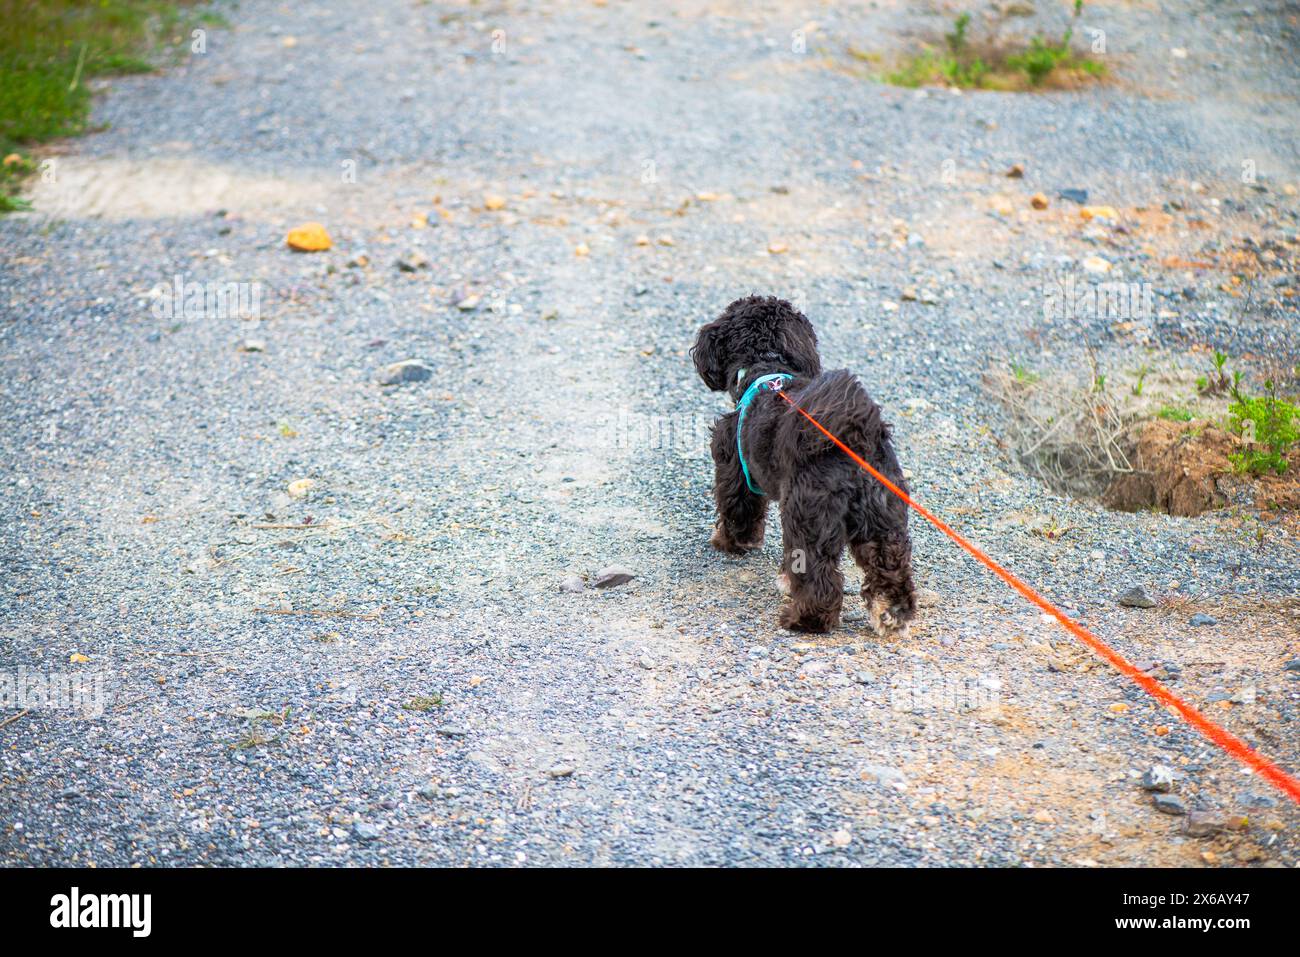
<point x="826" y="500"/>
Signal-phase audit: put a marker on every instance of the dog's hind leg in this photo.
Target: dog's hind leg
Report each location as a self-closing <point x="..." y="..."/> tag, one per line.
<point x="742" y="515"/>
<point x="812" y="532"/>
<point x="883" y="550"/>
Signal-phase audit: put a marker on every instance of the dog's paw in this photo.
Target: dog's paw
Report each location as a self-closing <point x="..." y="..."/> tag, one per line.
<point x="723" y="542"/>
<point x="783" y="584"/>
<point x="895" y="631"/>
<point x="794" y="620"/>
<point x="890" y="621"/>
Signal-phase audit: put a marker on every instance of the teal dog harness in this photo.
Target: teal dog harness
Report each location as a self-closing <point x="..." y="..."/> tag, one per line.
<point x="764" y="383"/>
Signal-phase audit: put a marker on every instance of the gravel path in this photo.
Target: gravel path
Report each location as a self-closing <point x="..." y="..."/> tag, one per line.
<point x="388" y="668"/>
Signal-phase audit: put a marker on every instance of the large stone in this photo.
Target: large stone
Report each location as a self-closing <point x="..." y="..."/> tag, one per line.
<point x="1136" y="597"/>
<point x="611" y="576"/>
<point x="408" y="370"/>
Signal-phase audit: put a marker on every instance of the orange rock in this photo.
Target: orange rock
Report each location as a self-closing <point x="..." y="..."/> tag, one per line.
<point x="1038" y="201"/>
<point x="309" y="238"/>
<point x="1106" y="212"/>
<point x="300" y="488"/>
<point x="1002" y="205"/>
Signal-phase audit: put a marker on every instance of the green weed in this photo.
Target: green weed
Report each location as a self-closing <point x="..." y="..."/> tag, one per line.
<point x="1023" y="374"/>
<point x="49" y="49"/>
<point x="424" y="703"/>
<point x="992" y="66"/>
<point x="1270" y="426"/>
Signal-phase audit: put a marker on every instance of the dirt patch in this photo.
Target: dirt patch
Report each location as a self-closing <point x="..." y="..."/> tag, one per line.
<point x="1183" y="468"/>
<point x="1177" y="468"/>
<point x="161" y="188"/>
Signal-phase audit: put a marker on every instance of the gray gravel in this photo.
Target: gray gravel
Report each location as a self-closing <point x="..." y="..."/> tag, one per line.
<point x="409" y="661"/>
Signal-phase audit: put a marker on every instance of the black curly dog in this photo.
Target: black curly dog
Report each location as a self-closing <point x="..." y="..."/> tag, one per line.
<point x="826" y="500"/>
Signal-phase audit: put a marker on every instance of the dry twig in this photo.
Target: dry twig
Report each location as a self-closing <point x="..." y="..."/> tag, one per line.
<point x="1073" y="438"/>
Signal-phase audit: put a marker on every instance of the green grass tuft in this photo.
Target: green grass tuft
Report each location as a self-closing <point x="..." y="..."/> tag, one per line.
<point x="49" y="49"/>
<point x="1023" y="374"/>
<point x="1269" y="425"/>
<point x="424" y="703"/>
<point x="993" y="66"/>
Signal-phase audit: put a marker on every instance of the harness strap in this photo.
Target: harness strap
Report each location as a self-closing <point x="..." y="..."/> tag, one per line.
<point x="764" y="383"/>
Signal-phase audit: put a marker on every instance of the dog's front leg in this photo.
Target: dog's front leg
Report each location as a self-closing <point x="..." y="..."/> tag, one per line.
<point x="742" y="515"/>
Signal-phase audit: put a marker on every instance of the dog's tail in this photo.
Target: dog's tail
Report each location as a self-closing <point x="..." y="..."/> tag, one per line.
<point x="839" y="402"/>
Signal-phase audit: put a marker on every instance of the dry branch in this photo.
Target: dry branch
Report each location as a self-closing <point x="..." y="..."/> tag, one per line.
<point x="1075" y="438"/>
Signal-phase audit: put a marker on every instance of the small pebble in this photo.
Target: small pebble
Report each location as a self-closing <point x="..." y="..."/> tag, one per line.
<point x="1158" y="778"/>
<point x="1169" y="804"/>
<point x="928" y="598"/>
<point x="1205" y="823"/>
<point x="364" y="831"/>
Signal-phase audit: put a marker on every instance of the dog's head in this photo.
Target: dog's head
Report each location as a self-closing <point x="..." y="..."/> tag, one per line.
<point x="752" y="331"/>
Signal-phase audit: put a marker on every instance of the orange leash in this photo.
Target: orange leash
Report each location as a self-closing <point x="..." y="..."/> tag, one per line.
<point x="1225" y="739"/>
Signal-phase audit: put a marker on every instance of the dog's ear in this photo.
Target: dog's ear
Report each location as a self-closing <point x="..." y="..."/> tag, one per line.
<point x="710" y="357"/>
<point x="799" y="344"/>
